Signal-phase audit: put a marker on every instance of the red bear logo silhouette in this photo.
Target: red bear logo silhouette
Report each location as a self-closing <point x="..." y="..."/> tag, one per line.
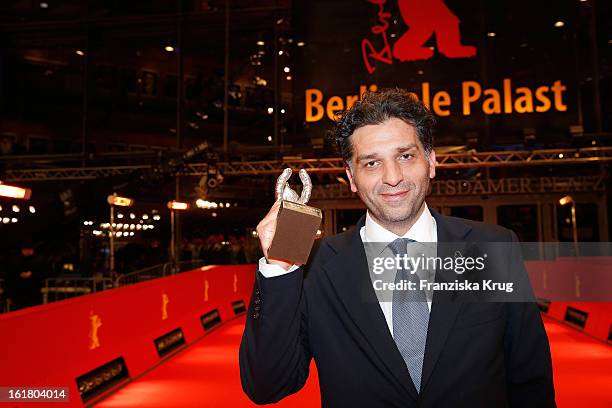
<point x="425" y="18"/>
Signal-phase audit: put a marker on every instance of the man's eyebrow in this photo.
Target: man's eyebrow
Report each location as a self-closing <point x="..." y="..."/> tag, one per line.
<point x="406" y="147"/>
<point x="367" y="156"/>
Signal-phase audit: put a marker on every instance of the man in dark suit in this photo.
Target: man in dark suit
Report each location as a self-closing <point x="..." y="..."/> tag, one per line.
<point x="411" y="351"/>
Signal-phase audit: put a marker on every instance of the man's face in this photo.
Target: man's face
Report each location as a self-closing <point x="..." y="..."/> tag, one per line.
<point x="390" y="171"/>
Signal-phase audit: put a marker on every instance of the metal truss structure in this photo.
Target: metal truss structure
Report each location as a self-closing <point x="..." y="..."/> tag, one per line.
<point x="471" y="159"/>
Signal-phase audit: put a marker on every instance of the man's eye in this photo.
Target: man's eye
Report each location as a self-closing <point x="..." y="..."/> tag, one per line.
<point x="371" y="163"/>
<point x="407" y="156"/>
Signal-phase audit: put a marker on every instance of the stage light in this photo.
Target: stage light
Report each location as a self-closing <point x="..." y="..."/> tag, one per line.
<point x="31" y="208"/>
<point x="280" y="52"/>
<point x="156" y="217"/>
<point x="145" y="216"/>
<point x="6" y="220"/>
<point x="119" y="201"/>
<point x="132" y="216"/>
<point x="80" y="53"/>
<point x="177" y="205"/>
<point x="44" y="5"/>
<point x="270" y="110"/>
<point x="14" y="192"/>
<point x="566" y="200"/>
<point x="169" y="48"/>
<point x="269" y="138"/>
<point x="261" y="43"/>
<point x="16" y="209"/>
<point x="491" y="34"/>
<point x="561" y="155"/>
<point x="138" y="226"/>
<point x="214" y="214"/>
<point x="13" y="220"/>
<point x="287" y="70"/>
<point x="300" y="43"/>
<point x="282" y="111"/>
<point x="559" y="24"/>
<point x="288" y="77"/>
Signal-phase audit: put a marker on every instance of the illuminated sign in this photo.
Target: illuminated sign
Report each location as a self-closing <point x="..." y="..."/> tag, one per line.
<point x="424" y="19"/>
<point x="238" y="307"/>
<point x="210" y="319"/>
<point x="506" y="99"/>
<point x="170" y="341"/>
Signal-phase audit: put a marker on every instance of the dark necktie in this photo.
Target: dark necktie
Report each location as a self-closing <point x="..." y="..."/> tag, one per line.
<point x="410" y="317"/>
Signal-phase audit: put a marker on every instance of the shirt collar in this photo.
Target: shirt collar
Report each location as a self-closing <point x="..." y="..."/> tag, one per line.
<point x="423" y="230"/>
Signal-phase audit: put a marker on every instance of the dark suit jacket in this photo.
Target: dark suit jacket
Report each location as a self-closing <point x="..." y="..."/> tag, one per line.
<point x="477" y="354"/>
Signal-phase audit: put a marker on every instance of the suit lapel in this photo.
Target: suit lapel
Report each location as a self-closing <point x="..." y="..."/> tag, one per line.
<point x="444" y="308"/>
<point x="349" y="275"/>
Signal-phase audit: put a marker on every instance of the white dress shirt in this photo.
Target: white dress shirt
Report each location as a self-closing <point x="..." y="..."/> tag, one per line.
<point x="423" y="230"/>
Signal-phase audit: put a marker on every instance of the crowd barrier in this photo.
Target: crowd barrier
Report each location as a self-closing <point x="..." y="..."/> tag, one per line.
<point x="95" y="343"/>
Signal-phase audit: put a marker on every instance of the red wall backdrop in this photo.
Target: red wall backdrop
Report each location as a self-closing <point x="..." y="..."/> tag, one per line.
<point x="582" y="283"/>
<point x="49" y="345"/>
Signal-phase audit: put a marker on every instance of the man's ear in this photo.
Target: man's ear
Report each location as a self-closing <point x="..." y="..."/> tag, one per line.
<point x="349" y="174"/>
<point x="432" y="163"/>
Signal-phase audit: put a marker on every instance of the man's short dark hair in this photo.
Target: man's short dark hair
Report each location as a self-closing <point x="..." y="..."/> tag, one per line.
<point x="377" y="107"/>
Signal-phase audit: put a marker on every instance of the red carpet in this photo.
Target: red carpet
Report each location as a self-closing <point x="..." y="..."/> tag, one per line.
<point x="206" y="374"/>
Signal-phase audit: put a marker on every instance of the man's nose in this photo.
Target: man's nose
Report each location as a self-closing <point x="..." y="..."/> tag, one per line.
<point x="392" y="174"/>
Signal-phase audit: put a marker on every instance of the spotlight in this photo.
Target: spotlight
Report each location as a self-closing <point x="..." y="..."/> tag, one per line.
<point x="176" y="205"/>
<point x="14" y="192"/>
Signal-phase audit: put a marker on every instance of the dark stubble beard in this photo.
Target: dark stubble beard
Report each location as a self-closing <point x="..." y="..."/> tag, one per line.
<point x="406" y="214"/>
